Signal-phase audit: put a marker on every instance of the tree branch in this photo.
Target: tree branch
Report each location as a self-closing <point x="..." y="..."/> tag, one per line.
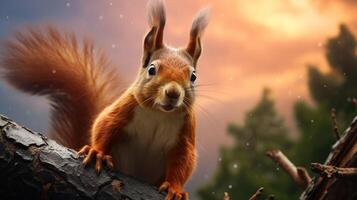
<point x="42" y="169"/>
<point x="343" y="156"/>
<point x="298" y="174"/>
<point x="332" y="171"/>
<point x="257" y="194"/>
<point x="334" y="124"/>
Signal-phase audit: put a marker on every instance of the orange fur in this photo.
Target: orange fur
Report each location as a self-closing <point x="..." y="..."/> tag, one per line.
<point x="154" y="117"/>
<point x="182" y="158"/>
<point x="109" y="124"/>
<point x="78" y="82"/>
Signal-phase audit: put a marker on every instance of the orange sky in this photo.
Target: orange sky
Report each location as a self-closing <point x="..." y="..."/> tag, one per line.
<point x="248" y="45"/>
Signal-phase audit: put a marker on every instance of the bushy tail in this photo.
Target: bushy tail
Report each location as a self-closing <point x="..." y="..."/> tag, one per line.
<point x="77" y="80"/>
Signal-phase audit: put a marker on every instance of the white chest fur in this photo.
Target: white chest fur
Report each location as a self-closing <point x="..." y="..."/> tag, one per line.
<point x="154" y="128"/>
<point x="151" y="134"/>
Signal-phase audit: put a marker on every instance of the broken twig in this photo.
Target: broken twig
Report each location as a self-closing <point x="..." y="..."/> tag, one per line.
<point x="298" y="174"/>
<point x="257" y="194"/>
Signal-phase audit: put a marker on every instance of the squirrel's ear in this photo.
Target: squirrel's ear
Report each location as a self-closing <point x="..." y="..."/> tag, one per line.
<point x="199" y="24"/>
<point x="154" y="38"/>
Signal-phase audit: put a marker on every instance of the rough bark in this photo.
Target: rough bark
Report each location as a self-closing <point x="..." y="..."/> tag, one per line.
<point x="343" y="155"/>
<point x="332" y="171"/>
<point x="35" y="167"/>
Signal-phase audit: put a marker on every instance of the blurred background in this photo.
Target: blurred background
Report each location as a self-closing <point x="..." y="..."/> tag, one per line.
<point x="270" y="72"/>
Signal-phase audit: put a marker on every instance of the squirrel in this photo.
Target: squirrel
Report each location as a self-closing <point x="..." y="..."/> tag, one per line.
<point x="148" y="131"/>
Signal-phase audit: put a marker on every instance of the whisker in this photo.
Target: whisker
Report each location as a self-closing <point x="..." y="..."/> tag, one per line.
<point x="216" y="100"/>
<point x="148" y="99"/>
<point x="205" y="90"/>
<point x="207" y="84"/>
<point x="215" y="92"/>
<point x="207" y="114"/>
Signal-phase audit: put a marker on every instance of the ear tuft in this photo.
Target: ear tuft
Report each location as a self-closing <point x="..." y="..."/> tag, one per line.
<point x="199" y="24"/>
<point x="156" y="13"/>
<point x="154" y="38"/>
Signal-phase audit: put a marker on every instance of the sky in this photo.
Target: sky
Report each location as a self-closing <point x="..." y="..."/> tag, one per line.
<point x="247" y="46"/>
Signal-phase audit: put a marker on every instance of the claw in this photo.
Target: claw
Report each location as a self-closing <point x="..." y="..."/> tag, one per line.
<point x="109" y="161"/>
<point x="99" y="158"/>
<point x="178" y="196"/>
<point x="184" y="196"/>
<point x="172" y="192"/>
<point x="98" y="163"/>
<point x="164" y="186"/>
<point x="84" y="150"/>
<point x="169" y="195"/>
<point x="89" y="157"/>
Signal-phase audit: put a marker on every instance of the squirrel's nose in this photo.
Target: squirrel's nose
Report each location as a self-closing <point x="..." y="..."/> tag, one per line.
<point x="172" y="94"/>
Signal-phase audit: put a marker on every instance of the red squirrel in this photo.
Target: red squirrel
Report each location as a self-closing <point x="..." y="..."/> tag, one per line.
<point x="148" y="131"/>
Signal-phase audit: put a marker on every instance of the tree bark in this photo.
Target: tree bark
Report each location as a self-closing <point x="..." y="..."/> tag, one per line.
<point x="332" y="171"/>
<point x="35" y="167"/>
<point x="343" y="156"/>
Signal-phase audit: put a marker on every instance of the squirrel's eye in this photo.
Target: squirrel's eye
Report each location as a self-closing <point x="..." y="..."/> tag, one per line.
<point x="193" y="77"/>
<point x="152" y="70"/>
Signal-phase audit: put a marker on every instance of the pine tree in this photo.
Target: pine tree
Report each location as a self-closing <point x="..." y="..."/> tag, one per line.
<point x="243" y="167"/>
<point x="335" y="89"/>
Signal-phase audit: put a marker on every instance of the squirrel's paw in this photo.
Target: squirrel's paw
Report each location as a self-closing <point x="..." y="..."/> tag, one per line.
<point x="90" y="152"/>
<point x="172" y="192"/>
